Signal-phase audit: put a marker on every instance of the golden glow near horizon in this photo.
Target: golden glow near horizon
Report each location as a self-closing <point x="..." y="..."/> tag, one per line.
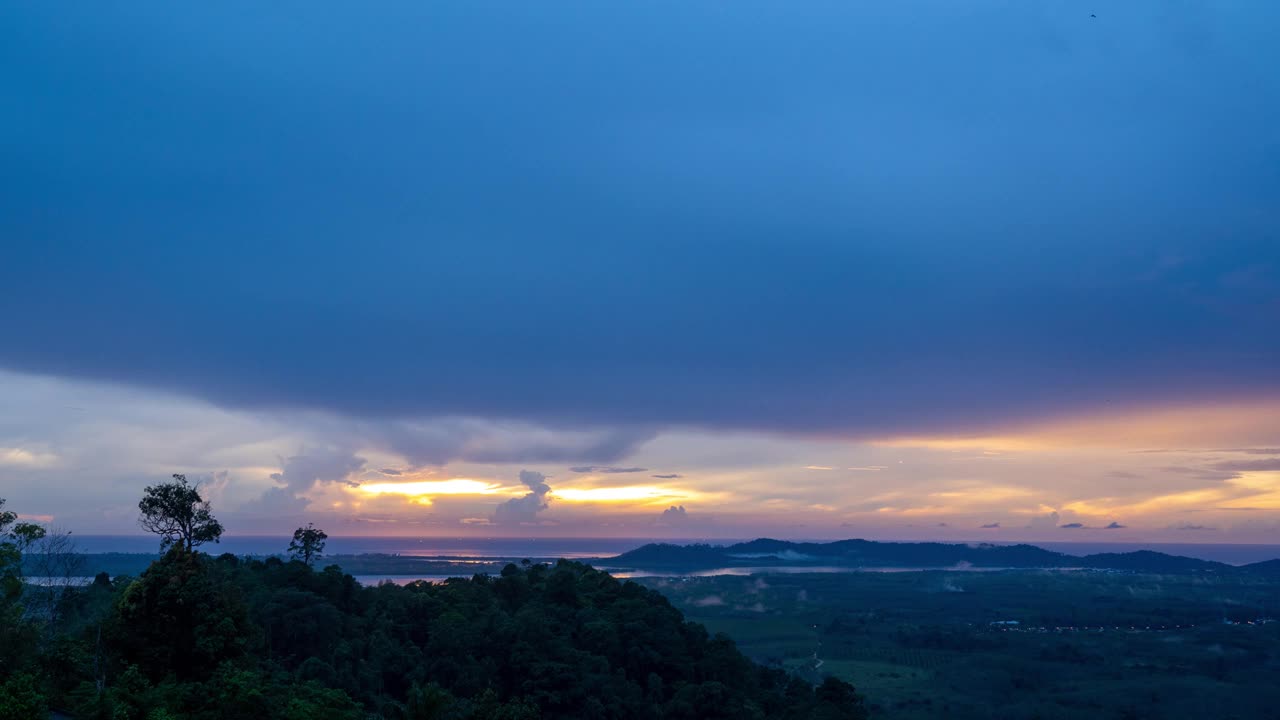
<point x="428" y="488"/>
<point x="644" y="494"/>
<point x="421" y="492"/>
<point x="1206" y="472"/>
<point x="986" y="488"/>
<point x="1249" y="491"/>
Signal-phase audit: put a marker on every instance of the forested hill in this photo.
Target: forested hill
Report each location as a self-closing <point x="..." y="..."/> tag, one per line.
<point x="1266" y="567"/>
<point x="231" y="639"/>
<point x="867" y="553"/>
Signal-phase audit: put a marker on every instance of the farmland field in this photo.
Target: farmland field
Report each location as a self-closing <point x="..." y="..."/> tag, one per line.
<point x="1014" y="644"/>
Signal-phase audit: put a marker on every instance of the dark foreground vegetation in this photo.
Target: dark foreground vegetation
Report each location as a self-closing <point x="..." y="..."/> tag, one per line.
<point x="205" y="638"/>
<point x="1017" y="644"/>
<point x="194" y="635"/>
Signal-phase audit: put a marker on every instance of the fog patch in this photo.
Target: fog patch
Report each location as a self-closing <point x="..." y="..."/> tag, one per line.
<point x="784" y="555"/>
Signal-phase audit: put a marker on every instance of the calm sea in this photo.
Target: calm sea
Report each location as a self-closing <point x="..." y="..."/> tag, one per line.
<point x="598" y="547"/>
<point x="417" y="547"/>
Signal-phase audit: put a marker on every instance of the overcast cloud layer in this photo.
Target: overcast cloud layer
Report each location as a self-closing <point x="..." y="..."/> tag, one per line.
<point x="868" y="218"/>
<point x="898" y="268"/>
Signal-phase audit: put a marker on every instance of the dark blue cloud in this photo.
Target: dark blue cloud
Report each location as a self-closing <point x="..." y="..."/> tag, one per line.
<point x="837" y="218"/>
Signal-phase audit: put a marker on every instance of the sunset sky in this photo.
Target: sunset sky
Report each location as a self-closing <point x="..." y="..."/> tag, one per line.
<point x="910" y="270"/>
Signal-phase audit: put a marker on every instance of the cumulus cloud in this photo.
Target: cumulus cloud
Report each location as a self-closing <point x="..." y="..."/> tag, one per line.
<point x="606" y="469"/>
<point x="303" y="472"/>
<point x="674" y="516"/>
<point x="22" y="457"/>
<point x="525" y="509"/>
<point x="1071" y="526"/>
<point x="278" y="501"/>
<point x="213" y="486"/>
<point x="1114" y="526"/>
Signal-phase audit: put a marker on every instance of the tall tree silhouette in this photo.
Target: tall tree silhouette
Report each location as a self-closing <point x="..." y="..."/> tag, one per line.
<point x="176" y="512"/>
<point x="307" y="544"/>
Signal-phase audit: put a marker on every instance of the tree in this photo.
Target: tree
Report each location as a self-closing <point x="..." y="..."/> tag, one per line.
<point x="307" y="544"/>
<point x="26" y="534"/>
<point x="20" y="699"/>
<point x="56" y="559"/>
<point x="6" y="517"/>
<point x="14" y="538"/>
<point x="837" y="700"/>
<point x="176" y="512"/>
<point x="182" y="617"/>
<point x="18" y="638"/>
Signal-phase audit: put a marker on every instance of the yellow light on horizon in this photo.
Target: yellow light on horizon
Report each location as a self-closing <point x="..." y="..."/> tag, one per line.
<point x="454" y="486"/>
<point x="629" y="493"/>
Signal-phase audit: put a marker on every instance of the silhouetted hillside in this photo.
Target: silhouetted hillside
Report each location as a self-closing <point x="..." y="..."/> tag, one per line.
<point x="1149" y="561"/>
<point x="867" y="553"/>
<point x="1266" y="567"/>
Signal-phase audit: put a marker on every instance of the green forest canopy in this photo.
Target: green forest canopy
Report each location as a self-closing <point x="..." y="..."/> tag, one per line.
<point x="203" y="637"/>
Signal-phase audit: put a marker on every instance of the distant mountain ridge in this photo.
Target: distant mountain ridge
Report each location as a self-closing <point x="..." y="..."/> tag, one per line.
<point x="766" y="552"/>
<point x="1266" y="567"/>
<point x="763" y="552"/>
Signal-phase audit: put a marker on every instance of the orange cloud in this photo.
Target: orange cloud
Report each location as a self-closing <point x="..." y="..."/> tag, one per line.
<point x="1258" y="490"/>
<point x="1207" y="425"/>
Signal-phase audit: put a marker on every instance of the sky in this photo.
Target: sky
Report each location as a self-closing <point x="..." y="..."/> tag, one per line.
<point x="900" y="270"/>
